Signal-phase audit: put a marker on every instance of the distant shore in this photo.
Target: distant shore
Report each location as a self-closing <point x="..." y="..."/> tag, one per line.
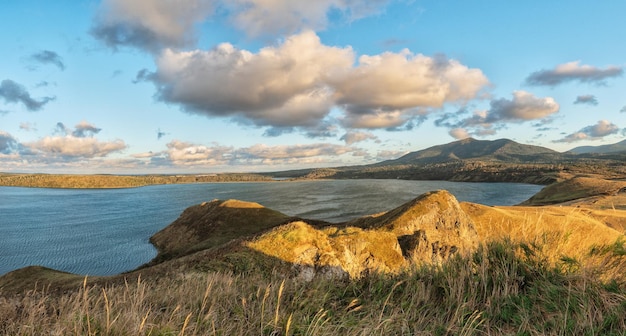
<point x="103" y="181"/>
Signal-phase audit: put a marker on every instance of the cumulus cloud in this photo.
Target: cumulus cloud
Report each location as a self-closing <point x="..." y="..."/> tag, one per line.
<point x="278" y="86"/>
<point x="623" y="110"/>
<point x="586" y="99"/>
<point x="573" y="72"/>
<point x="262" y="17"/>
<point x="182" y="153"/>
<point x="592" y="132"/>
<point x="74" y="147"/>
<point x="389" y="89"/>
<point x="459" y="133"/>
<point x="298" y="82"/>
<point x="354" y="137"/>
<point x="66" y="143"/>
<point x="13" y="92"/>
<point x="185" y="153"/>
<point x="48" y="57"/>
<point x="150" y="25"/>
<point x="523" y="107"/>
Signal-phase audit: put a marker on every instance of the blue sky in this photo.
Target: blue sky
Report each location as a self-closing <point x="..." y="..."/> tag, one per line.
<point x="161" y="86"/>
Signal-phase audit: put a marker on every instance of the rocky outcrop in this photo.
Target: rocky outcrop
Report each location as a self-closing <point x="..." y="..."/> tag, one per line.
<point x="429" y="229"/>
<point x="211" y="224"/>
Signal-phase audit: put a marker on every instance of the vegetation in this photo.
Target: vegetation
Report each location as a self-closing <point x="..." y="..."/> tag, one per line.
<point x="502" y="288"/>
<point x="117" y="181"/>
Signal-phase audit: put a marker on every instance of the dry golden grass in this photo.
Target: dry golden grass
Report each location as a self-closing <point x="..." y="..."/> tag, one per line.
<point x="561" y="230"/>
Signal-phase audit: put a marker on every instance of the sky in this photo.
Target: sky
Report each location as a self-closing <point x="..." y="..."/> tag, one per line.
<point x="193" y="86"/>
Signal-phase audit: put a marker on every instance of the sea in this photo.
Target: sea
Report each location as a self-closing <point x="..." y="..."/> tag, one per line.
<point x="106" y="231"/>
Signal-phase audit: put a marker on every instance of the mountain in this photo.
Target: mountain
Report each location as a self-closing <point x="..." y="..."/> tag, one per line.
<point x="488" y="150"/>
<point x="612" y="148"/>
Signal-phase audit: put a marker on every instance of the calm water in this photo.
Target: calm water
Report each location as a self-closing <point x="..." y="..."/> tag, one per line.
<point x="104" y="232"/>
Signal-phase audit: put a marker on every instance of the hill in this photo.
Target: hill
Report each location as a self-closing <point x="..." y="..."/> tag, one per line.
<point x="485" y="150"/>
<point x="612" y="148"/>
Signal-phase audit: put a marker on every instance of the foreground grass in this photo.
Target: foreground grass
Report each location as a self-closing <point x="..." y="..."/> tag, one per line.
<point x="503" y="288"/>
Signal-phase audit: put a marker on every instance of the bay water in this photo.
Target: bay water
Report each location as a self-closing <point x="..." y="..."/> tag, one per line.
<point x="106" y="231"/>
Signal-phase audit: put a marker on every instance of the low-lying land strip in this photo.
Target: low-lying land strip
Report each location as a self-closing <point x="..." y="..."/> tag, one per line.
<point x="117" y="181"/>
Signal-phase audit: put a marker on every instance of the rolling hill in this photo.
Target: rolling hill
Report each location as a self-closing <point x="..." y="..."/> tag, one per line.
<point x="466" y="149"/>
<point x="612" y="148"/>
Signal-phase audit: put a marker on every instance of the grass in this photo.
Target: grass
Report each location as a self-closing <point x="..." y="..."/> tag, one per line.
<point x="502" y="288"/>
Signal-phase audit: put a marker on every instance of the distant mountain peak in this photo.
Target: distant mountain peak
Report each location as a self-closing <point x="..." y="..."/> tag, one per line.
<point x="470" y="148"/>
<point x="611" y="148"/>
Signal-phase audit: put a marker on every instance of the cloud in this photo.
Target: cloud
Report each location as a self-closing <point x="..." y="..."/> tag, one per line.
<point x="8" y="144"/>
<point x="61" y="129"/>
<point x="262" y="17"/>
<point x="573" y="72"/>
<point x="592" y="132"/>
<point x="623" y="110"/>
<point x="181" y="153"/>
<point x="161" y="134"/>
<point x="354" y="137"/>
<point x="389" y="154"/>
<point x="586" y="99"/>
<point x="150" y="25"/>
<point x="297" y="83"/>
<point x="459" y="133"/>
<point x="26" y="126"/>
<point x="153" y="25"/>
<point x="523" y="107"/>
<point x="389" y="89"/>
<point x="79" y="143"/>
<point x="74" y="147"/>
<point x="85" y="129"/>
<point x="48" y="57"/>
<point x="185" y="153"/>
<point x="13" y="92"/>
<point x="281" y="86"/>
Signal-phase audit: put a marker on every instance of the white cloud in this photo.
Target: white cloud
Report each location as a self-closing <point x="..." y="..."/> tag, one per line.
<point x="150" y="24"/>
<point x="262" y="17"/>
<point x="297" y="83"/>
<point x="459" y="133"/>
<point x="387" y="90"/>
<point x="573" y="72"/>
<point x="278" y="86"/>
<point x="523" y="107"/>
<point x="69" y="146"/>
<point x="355" y="136"/>
<point x="181" y="153"/>
<point x="593" y="132"/>
<point x="153" y="25"/>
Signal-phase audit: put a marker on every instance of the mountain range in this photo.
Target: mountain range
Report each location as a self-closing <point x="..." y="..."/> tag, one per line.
<point x="471" y="160"/>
